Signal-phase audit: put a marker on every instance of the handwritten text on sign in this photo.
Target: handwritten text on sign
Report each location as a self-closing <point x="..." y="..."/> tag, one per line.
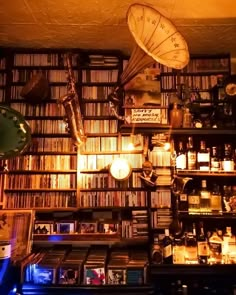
<point x="146" y="116"/>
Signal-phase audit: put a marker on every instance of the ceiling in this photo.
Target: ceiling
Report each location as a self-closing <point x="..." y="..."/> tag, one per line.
<point x="208" y="26"/>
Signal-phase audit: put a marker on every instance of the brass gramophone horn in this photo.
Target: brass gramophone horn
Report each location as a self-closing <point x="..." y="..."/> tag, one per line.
<point x="15" y="133"/>
<point x="158" y="40"/>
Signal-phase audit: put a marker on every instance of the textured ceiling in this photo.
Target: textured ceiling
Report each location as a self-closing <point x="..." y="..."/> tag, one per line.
<point x="209" y="26"/>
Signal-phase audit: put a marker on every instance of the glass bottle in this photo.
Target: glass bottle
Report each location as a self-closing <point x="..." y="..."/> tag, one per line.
<point x="225" y="246"/>
<point x="176" y="116"/>
<point x="194" y="202"/>
<point x="203" y="157"/>
<point x="216" y="199"/>
<point x="215" y="247"/>
<point x="187" y="119"/>
<point x="178" y="251"/>
<point x="191" y="256"/>
<point x="215" y="160"/>
<point x="202" y="246"/>
<point x="181" y="157"/>
<point x="228" y="161"/>
<point x="191" y="155"/>
<point x="167" y="248"/>
<point x="205" y="197"/>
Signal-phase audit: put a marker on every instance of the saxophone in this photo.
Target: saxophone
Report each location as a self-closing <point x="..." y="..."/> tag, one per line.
<point x="70" y="101"/>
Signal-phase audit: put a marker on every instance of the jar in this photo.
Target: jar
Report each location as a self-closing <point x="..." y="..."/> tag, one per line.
<point x="176" y="116"/>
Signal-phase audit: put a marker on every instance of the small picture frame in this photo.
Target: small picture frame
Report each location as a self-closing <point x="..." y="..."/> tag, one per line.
<point x="43" y="227"/>
<point x="66" y="227"/>
<point x="88" y="227"/>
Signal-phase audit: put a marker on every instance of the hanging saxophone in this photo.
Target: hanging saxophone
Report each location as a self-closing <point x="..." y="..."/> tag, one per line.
<point x="71" y="104"/>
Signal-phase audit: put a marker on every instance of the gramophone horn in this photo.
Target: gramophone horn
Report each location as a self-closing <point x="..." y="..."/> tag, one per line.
<point x="157" y="40"/>
<point x="15" y="132"/>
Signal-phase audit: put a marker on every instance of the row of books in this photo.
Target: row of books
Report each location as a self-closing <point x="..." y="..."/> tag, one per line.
<point x="53" y="76"/>
<point x="46" y="200"/>
<point x="201" y="82"/>
<point x="51" y="144"/>
<point x="41" y="181"/>
<point x="112" y="143"/>
<point x="48" y="126"/>
<point x="49" y="109"/>
<point x="203" y="65"/>
<point x="55" y="93"/>
<point x="96" y="92"/>
<point x="98" y="109"/>
<point x="41" y="59"/>
<point x="103" y="161"/>
<point x="103" y="60"/>
<point x="113" y="199"/>
<point x="44" y="162"/>
<point x="161" y="218"/>
<point x="105" y="180"/>
<point x="160" y="157"/>
<point x="100" y="76"/>
<point x="85" y="267"/>
<point x="100" y="126"/>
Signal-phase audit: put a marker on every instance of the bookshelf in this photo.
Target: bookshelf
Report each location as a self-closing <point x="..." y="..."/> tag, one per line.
<point x="71" y="191"/>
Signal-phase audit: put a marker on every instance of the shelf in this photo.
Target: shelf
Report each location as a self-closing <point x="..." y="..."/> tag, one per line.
<point x="196" y="269"/>
<point x="157" y="128"/>
<point x="87" y="290"/>
<point x="224" y="215"/>
<point x="33" y="190"/>
<point x="85" y="239"/>
<point x="206" y="173"/>
<point x="42" y="171"/>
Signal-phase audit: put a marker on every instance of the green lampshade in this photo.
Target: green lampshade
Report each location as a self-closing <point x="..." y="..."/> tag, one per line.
<point x="15" y="133"/>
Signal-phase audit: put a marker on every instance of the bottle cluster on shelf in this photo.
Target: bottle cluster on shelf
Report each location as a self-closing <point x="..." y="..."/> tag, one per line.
<point x="195" y="247"/>
<point x="215" y="158"/>
<point x="209" y="198"/>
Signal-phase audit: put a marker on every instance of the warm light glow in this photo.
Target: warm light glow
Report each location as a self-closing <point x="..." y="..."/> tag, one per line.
<point x="166" y="146"/>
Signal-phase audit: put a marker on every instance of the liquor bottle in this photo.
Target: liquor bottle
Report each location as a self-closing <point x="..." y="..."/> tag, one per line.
<point x="191" y="155"/>
<point x="215" y="160"/>
<point x="194" y="202"/>
<point x="216" y="199"/>
<point x="228" y="160"/>
<point x="205" y="197"/>
<point x="167" y="248"/>
<point x="178" y="250"/>
<point x="191" y="256"/>
<point x="202" y="246"/>
<point x="215" y="247"/>
<point x="226" y="246"/>
<point x="181" y="159"/>
<point x="203" y="157"/>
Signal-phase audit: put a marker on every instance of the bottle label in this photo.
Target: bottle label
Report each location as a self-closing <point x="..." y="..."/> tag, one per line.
<point x="192" y="158"/>
<point x="202" y="248"/>
<point x="167" y="251"/>
<point x="228" y="165"/>
<point x="215" y="165"/>
<point x="193" y="200"/>
<point x="181" y="162"/>
<point x="178" y="255"/>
